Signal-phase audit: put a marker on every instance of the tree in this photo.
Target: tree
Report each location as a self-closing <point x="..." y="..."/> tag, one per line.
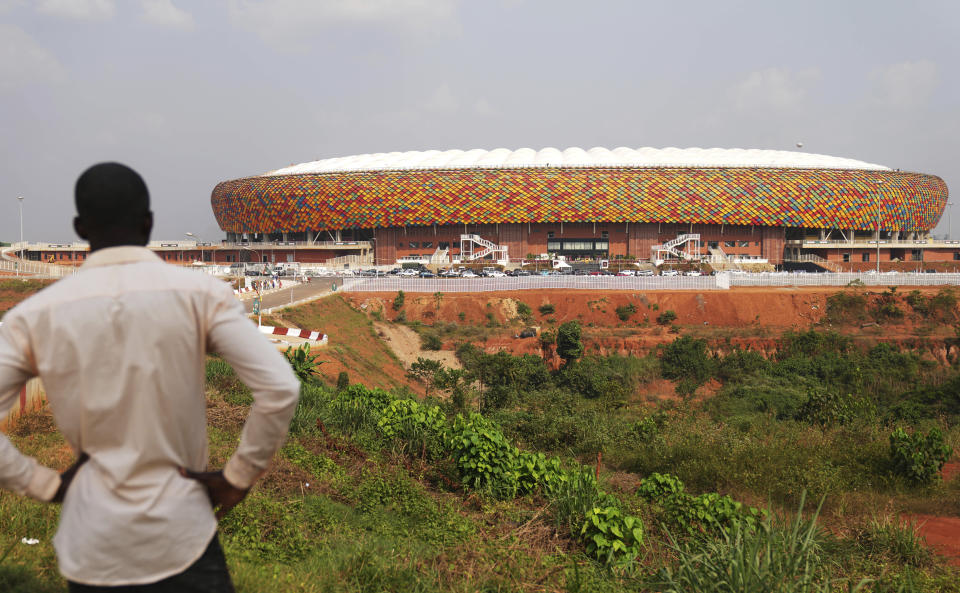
<point x="438" y="298"/>
<point x="569" y="346"/>
<point x="399" y="300"/>
<point x="425" y="370"/>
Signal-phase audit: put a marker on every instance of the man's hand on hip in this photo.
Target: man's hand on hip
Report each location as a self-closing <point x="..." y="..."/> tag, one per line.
<point x="223" y="495"/>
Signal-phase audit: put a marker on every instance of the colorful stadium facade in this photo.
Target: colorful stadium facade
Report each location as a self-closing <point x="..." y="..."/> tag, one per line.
<point x="744" y="204"/>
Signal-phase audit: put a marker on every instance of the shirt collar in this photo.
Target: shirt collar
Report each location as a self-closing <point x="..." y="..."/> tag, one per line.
<point x="115" y="256"/>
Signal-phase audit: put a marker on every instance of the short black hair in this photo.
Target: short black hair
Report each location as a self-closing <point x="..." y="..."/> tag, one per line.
<point x="111" y="195"/>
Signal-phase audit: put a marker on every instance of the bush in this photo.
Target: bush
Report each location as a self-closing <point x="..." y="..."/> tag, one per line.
<point x="313" y="402"/>
<point x="786" y="559"/>
<point x="846" y="307"/>
<point x="547" y="309"/>
<point x="343" y="380"/>
<point x="918" y="457"/>
<point x="419" y="428"/>
<point x="710" y="512"/>
<point x="827" y="409"/>
<point x="686" y="360"/>
<point x="399" y="300"/>
<point x="359" y="408"/>
<point x="523" y="310"/>
<point x="430" y="341"/>
<point x="304" y="364"/>
<point x="657" y="487"/>
<point x="666" y="318"/>
<point x="569" y="346"/>
<point x="625" y="312"/>
<point x="487" y="462"/>
<point x="611" y="536"/>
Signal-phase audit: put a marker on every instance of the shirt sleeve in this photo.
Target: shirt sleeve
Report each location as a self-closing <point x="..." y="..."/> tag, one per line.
<point x="268" y="375"/>
<point x="18" y="472"/>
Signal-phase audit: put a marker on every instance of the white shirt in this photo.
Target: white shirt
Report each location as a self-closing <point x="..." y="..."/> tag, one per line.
<point x="121" y="349"/>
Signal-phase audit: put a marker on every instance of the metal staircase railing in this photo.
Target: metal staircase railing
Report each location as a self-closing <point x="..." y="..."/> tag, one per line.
<point x="468" y="253"/>
<point x="688" y="240"/>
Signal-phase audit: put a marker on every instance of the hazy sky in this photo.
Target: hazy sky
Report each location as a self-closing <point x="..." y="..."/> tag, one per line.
<point x="191" y="93"/>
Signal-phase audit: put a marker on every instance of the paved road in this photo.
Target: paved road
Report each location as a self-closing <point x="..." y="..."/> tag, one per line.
<point x="301" y="291"/>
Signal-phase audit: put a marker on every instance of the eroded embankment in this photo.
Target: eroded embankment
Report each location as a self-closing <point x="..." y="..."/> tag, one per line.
<point x="748" y="318"/>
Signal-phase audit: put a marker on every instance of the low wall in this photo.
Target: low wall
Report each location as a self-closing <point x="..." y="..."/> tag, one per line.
<point x="32" y="397"/>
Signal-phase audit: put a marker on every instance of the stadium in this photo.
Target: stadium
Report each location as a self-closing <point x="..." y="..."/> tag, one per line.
<point x="720" y="205"/>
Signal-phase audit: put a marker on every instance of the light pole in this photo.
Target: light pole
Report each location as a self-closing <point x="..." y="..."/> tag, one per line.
<point x="20" y="254"/>
<point x="199" y="248"/>
<point x="949" y="226"/>
<point x="879" y="187"/>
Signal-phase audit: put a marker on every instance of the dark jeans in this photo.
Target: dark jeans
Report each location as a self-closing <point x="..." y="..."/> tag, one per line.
<point x="206" y="575"/>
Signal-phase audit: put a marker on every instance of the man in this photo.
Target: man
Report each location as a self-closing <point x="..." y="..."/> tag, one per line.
<point x="120" y="347"/>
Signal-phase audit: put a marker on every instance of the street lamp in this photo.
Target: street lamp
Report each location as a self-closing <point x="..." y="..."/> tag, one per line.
<point x="199" y="248"/>
<point x="20" y="254"/>
<point x="879" y="187"/>
<point x="949" y="226"/>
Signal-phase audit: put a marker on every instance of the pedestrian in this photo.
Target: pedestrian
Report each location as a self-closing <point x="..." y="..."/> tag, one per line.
<point x="124" y="375"/>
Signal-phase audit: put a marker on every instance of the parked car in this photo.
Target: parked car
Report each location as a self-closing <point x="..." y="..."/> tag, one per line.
<point x="669" y="273"/>
<point x="627" y="273"/>
<point x="467" y="274"/>
<point x="644" y="272"/>
<point x="427" y="274"/>
<point x="692" y="273"/>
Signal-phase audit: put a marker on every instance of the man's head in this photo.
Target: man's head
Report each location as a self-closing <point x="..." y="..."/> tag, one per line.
<point x="113" y="207"/>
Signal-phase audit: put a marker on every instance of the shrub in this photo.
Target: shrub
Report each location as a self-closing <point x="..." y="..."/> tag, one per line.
<point x="536" y="472"/>
<point x="547" y="339"/>
<point x="399" y="300"/>
<point x="573" y="495"/>
<point x="625" y="312"/>
<point x="431" y="341"/>
<point x="569" y="346"/>
<point x="686" y="359"/>
<point x="846" y="307"/>
<point x="657" y="487"/>
<point x="666" y="318"/>
<point x="314" y="400"/>
<point x="419" y="428"/>
<point x="487" y="461"/>
<point x="918" y="457"/>
<point x="524" y="310"/>
<point x="611" y="536"/>
<point x="709" y="512"/>
<point x="547" y="309"/>
<point x="786" y="559"/>
<point x="343" y="380"/>
<point x="358" y="407"/>
<point x="896" y="539"/>
<point x="304" y="364"/>
<point x="827" y="408"/>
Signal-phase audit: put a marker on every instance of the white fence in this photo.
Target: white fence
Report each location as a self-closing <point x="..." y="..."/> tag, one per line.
<point x="35" y="269"/>
<point x="536" y="283"/>
<point x="721" y="281"/>
<point x="843" y="279"/>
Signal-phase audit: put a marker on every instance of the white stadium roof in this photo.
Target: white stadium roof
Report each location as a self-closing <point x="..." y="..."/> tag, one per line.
<point x="503" y="158"/>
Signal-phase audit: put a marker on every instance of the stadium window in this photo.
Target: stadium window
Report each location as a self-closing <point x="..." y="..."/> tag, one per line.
<point x="916" y="255"/>
<point x="846" y="257"/>
<point x="713" y="244"/>
<point x="414" y="245"/>
<point x="864" y="257"/>
<point x="601" y="245"/>
<point x="729" y="243"/>
<point x="427" y="244"/>
<point x="549" y="234"/>
<point x="604" y="234"/>
<point x="444" y="244"/>
<point x="743" y="244"/>
<point x="756" y="243"/>
<point x="956" y="256"/>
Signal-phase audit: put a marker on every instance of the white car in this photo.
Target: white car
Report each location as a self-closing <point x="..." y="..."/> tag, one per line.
<point x="409" y="272"/>
<point x="626" y="273"/>
<point x="692" y="273"/>
<point x="644" y="272"/>
<point x="495" y="274"/>
<point x="468" y="274"/>
<point x="669" y="273"/>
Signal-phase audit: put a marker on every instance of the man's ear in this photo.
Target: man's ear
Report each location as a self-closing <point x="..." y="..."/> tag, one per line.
<point x="80" y="229"/>
<point x="146" y="227"/>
